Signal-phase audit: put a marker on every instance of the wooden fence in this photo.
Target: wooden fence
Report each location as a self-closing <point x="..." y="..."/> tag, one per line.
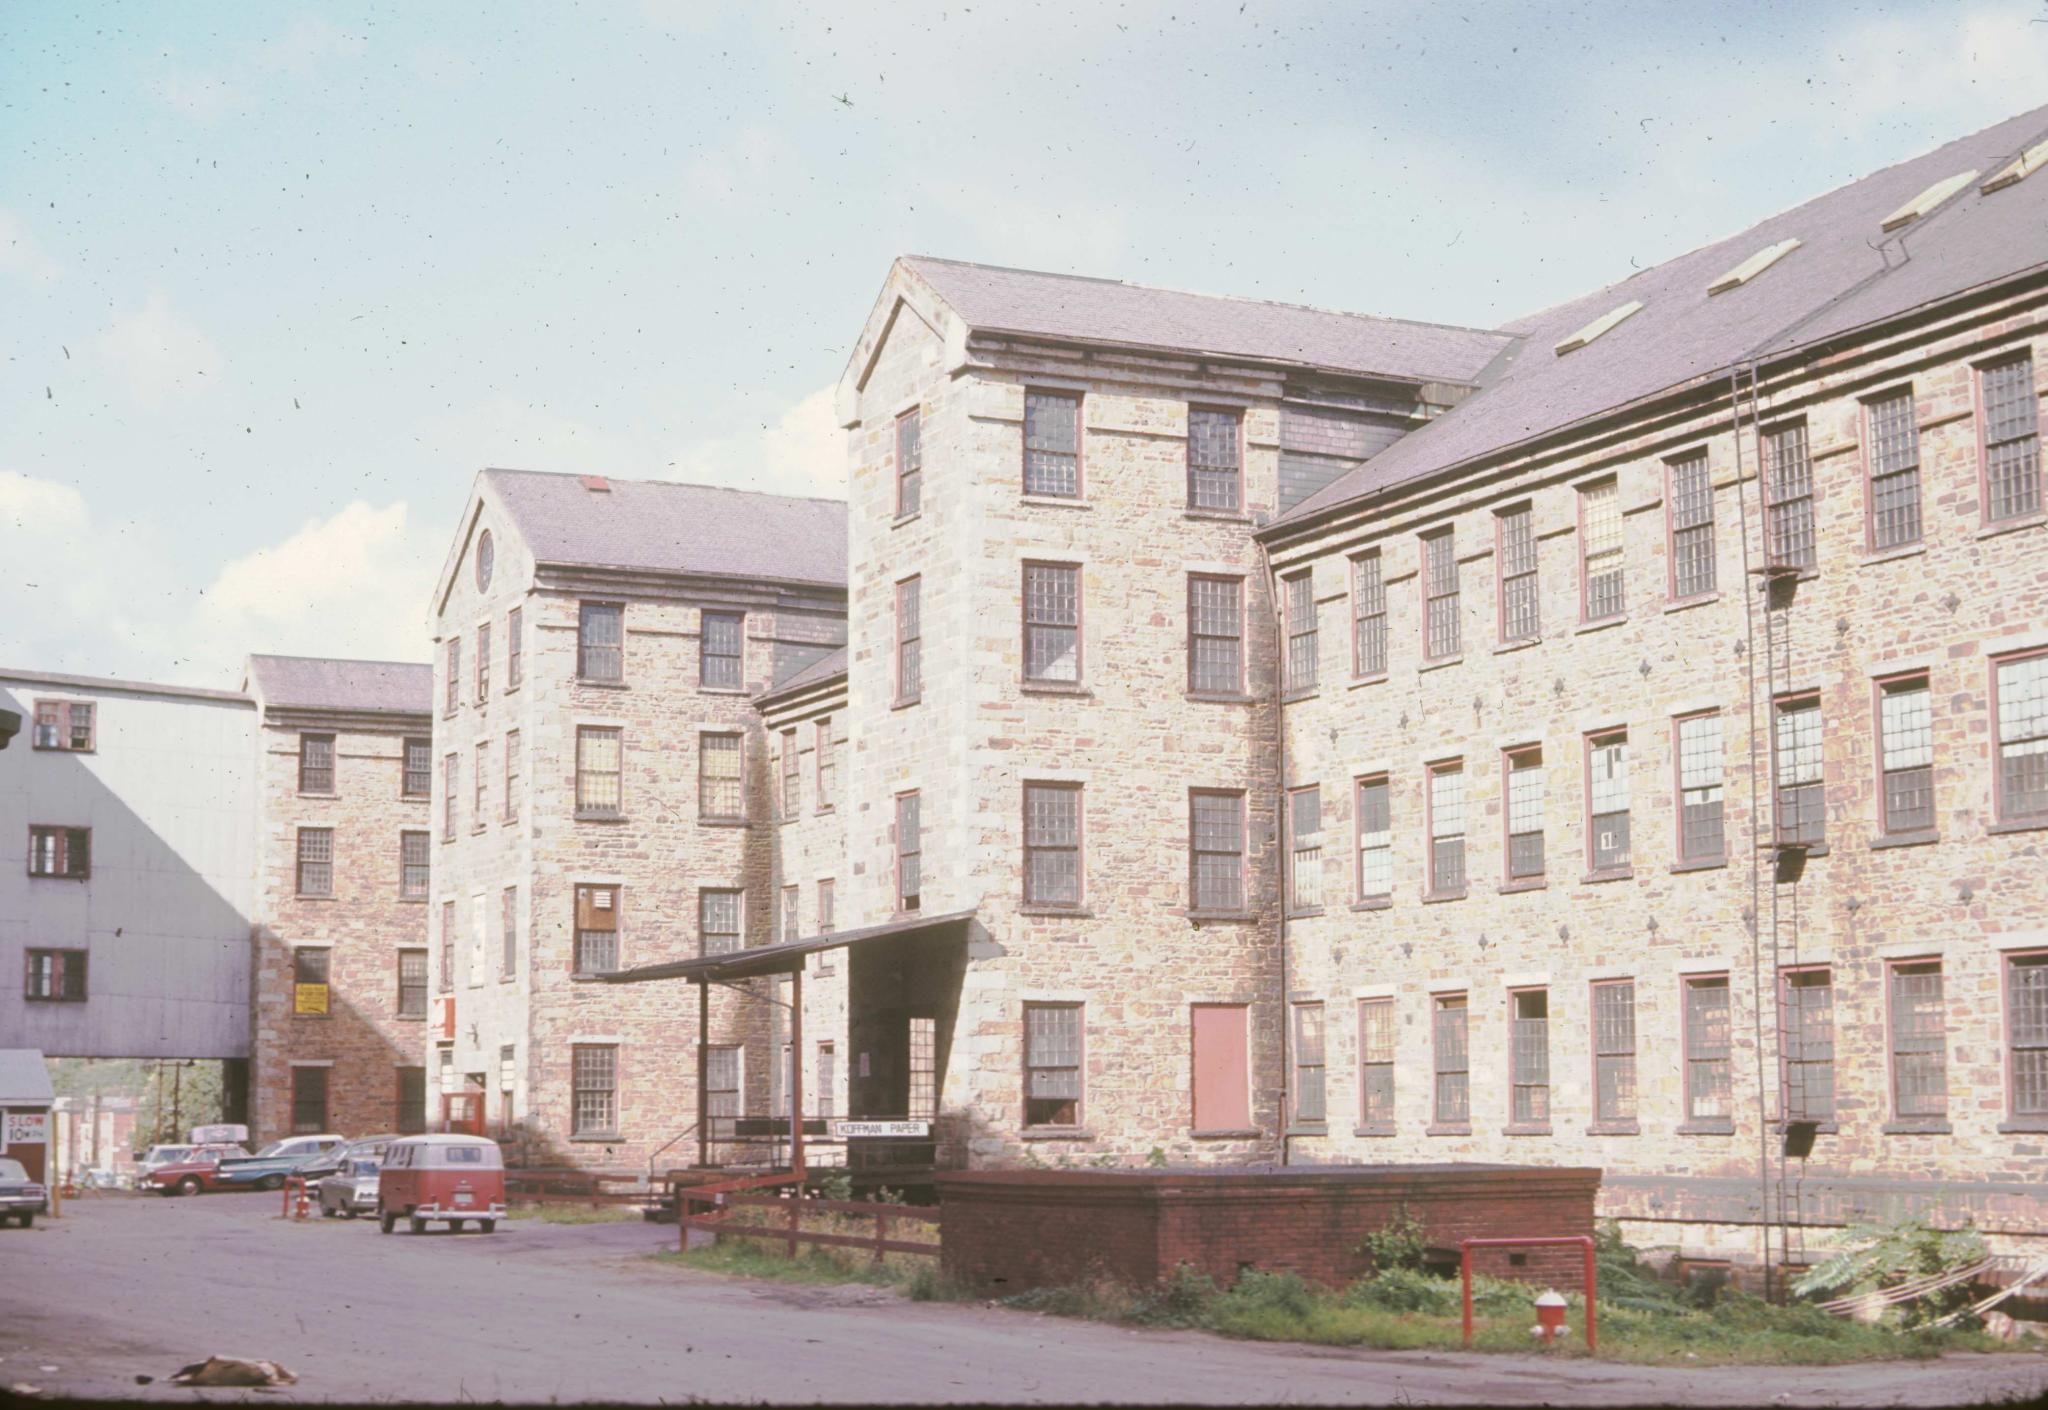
<point x="790" y="1232"/>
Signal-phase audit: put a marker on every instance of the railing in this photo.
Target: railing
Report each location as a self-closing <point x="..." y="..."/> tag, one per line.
<point x="724" y="1198"/>
<point x="566" y="1185"/>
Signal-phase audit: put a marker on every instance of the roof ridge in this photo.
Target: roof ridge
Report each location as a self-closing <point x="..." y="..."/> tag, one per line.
<point x="1204" y="294"/>
<point x="337" y="660"/>
<point x="679" y="484"/>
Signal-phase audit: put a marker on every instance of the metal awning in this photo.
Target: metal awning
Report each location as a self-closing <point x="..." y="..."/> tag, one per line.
<point x="786" y="958"/>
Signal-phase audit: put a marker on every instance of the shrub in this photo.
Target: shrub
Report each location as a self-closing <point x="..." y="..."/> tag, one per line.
<point x="1872" y="1257"/>
<point x="1183" y="1300"/>
<point x="836" y="1186"/>
<point x="1399" y="1244"/>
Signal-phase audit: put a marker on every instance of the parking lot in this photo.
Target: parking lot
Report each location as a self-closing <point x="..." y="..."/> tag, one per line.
<point x="129" y="1286"/>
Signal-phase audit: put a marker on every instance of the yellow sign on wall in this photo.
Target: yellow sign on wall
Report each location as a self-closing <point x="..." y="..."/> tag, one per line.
<point x="309" y="998"/>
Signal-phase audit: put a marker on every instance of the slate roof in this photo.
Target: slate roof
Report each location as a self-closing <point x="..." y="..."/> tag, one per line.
<point x="318" y="683"/>
<point x="667" y="526"/>
<point x="817" y="673"/>
<point x="1837" y="280"/>
<point x="998" y="300"/>
<point x="24" y="1078"/>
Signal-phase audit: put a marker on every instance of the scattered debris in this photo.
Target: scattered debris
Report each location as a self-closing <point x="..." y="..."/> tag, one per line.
<point x="24" y="1388"/>
<point x="233" y="1371"/>
<point x="144" y="1380"/>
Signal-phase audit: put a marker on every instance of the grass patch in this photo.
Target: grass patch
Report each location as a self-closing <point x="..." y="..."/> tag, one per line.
<point x="914" y="1275"/>
<point x="574" y="1214"/>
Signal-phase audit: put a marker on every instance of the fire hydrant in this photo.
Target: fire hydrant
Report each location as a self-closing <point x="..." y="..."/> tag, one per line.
<point x="301" y="1210"/>
<point x="1550" y="1327"/>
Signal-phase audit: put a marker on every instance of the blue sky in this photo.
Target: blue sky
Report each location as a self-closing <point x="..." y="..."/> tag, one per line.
<point x="275" y="279"/>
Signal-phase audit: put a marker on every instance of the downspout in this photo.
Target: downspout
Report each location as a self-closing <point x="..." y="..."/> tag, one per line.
<point x="1279" y="823"/>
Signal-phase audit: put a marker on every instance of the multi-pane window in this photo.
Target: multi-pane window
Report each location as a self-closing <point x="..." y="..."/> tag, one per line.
<point x="792" y="776"/>
<point x="64" y="725"/>
<point x="720" y="774"/>
<point x="825" y="1082"/>
<point x="1801" y="792"/>
<point x="1440" y="636"/>
<point x="1919" y="1041"/>
<point x="1529" y="1057"/>
<point x="477" y="813"/>
<point x="1216" y="850"/>
<point x="2021" y="685"/>
<point x="311" y="967"/>
<point x="827" y="923"/>
<point x="909" y="463"/>
<point x="825" y="750"/>
<point x="1788" y="498"/>
<point x="508" y="927"/>
<point x="595" y="1089"/>
<point x="1309" y="1099"/>
<point x="309" y="1100"/>
<point x="1521" y="611"/>
<point x="1699" y="788"/>
<point x="483" y="663"/>
<point x="1906" y="742"/>
<point x="1298" y="605"/>
<point x="1052" y="844"/>
<point x="514" y="648"/>
<point x="56" y="976"/>
<point x="909" y="641"/>
<point x="1614" y="1052"/>
<point x="1052" y="1064"/>
<point x="1214" y="459"/>
<point x="789" y="905"/>
<point x="412" y="1100"/>
<point x="60" y="851"/>
<point x="1305" y="840"/>
<point x="1525" y="814"/>
<point x="909" y="852"/>
<point x="2012" y="439"/>
<point x="1446" y="829"/>
<point x="1375" y="839"/>
<point x="453" y="697"/>
<point x="722" y="1090"/>
<point x="601" y="641"/>
<point x="924" y="1068"/>
<point x="718" y="920"/>
<point x="1607" y="844"/>
<point x="412" y="983"/>
<point x="1806" y="1053"/>
<point x="316" y="763"/>
<point x="1052" y="444"/>
<point x="2026" y="1002"/>
<point x="450" y="775"/>
<point x="416" y="780"/>
<point x="414" y="870"/>
<point x="1376" y="1062"/>
<point x="1052" y="623"/>
<point x="511" y="775"/>
<point x="447" y="946"/>
<point x="1602" y="576"/>
<point x="1708" y="1045"/>
<point x="1691" y="507"/>
<point x="316" y="861"/>
<point x="1368" y="615"/>
<point x="1453" y="1095"/>
<point x="1894" y="463"/>
<point x="1216" y="635"/>
<point x="598" y="770"/>
<point x="597" y="930"/>
<point x="721" y="650"/>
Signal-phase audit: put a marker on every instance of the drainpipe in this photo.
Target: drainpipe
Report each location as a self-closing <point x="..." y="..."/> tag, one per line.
<point x="1279" y="822"/>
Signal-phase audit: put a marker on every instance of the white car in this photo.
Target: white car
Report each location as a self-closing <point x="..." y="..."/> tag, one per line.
<point x="351" y="1190"/>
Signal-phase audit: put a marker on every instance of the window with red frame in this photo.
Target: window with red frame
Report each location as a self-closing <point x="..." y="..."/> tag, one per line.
<point x="909" y="641"/>
<point x="909" y="464"/>
<point x="1521" y="608"/>
<point x="55" y="976"/>
<point x="64" y="852"/>
<point x="1919" y="1041"/>
<point x="1052" y="444"/>
<point x="2012" y="439"/>
<point x="1440" y="627"/>
<point x="1215" y="460"/>
<point x="65" y="725"/>
<point x="1788" y="498"/>
<point x="1691" y="510"/>
<point x="2021" y="686"/>
<point x="1906" y="754"/>
<point x="1892" y="458"/>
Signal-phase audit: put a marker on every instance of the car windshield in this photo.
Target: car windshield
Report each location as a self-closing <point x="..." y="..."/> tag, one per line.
<point x="163" y="1155"/>
<point x="366" y="1167"/>
<point x="12" y="1170"/>
<point x="274" y="1148"/>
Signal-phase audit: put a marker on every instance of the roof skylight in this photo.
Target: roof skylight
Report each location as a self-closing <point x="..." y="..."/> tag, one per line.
<point x="1927" y="200"/>
<point x="1598" y="326"/>
<point x="2026" y="163"/>
<point x="1756" y="264"/>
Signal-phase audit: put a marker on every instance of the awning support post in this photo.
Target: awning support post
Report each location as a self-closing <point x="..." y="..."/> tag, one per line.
<point x="703" y="1077"/>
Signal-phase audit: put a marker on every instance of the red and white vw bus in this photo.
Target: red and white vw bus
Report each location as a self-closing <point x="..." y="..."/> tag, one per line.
<point x="450" y="1179"/>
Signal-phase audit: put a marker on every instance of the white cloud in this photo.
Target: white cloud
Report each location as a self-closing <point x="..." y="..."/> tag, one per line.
<point x="802" y="451"/>
<point x="197" y="95"/>
<point x="22" y="255"/>
<point x="518" y="435"/>
<point x="158" y="354"/>
<point x="80" y="593"/>
<point x="306" y="45"/>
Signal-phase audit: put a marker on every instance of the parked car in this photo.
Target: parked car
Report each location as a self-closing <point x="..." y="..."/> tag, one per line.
<point x="315" y="1168"/>
<point x="443" y="1178"/>
<point x="158" y="1157"/>
<point x="198" y="1171"/>
<point x="20" y="1196"/>
<point x="267" y="1169"/>
<point x="351" y="1190"/>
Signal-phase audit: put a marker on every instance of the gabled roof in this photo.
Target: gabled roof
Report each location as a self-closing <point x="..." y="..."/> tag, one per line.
<point x="24" y="1078"/>
<point x="1846" y="273"/>
<point x="992" y="299"/>
<point x="317" y="683"/>
<point x="817" y="673"/>
<point x="670" y="527"/>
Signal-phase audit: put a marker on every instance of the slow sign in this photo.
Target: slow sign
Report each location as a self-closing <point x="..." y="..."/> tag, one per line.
<point x="27" y="1128"/>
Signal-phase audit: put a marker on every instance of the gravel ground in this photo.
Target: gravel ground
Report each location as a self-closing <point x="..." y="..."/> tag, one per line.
<point x="130" y="1286"/>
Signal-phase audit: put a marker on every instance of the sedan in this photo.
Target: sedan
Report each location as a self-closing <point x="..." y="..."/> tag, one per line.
<point x="20" y="1196"/>
<point x="350" y="1191"/>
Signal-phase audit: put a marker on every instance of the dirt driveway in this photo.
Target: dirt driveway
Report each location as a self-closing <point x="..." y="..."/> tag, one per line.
<point x="125" y="1286"/>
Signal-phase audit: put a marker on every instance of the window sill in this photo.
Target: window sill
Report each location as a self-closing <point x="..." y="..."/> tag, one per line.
<point x="911" y="518"/>
<point x="1532" y="883"/>
<point x="1891" y="555"/>
<point x="412" y="900"/>
<point x="1071" y="912"/>
<point x="722" y="690"/>
<point x="1701" y="864"/>
<point x="1209" y="697"/>
<point x="1431" y="898"/>
<point x="822" y="809"/>
<point x="1056" y="1133"/>
<point x="512" y="689"/>
<point x="582" y="816"/>
<point x="412" y="1018"/>
<point x="1811" y="849"/>
<point x="1374" y="903"/>
<point x="1376" y="1129"/>
<point x="479" y="829"/>
<point x="595" y="684"/>
<point x="1295" y="697"/>
<point x="1361" y="682"/>
<point x="905" y="702"/>
<point x="1932" y="1126"/>
<point x="1247" y="1133"/>
<point x="1055" y="688"/>
<point x="1532" y="1130"/>
<point x="1440" y="663"/>
<point x="1433" y="1129"/>
<point x="507" y="978"/>
<point x="330" y="794"/>
<point x="722" y="822"/>
<point x="1614" y="1128"/>
<point x="1681" y="604"/>
<point x="2023" y="1125"/>
<point x="1706" y="1128"/>
<point x="2000" y="829"/>
<point x="1311" y="1129"/>
<point x="1905" y="839"/>
<point x="2011" y="526"/>
<point x="58" y="876"/>
<point x="415" y="797"/>
<point x="1522" y="645"/>
<point x="306" y="896"/>
<point x="1054" y="501"/>
<point x="1820" y="1128"/>
<point x="592" y="975"/>
<point x="608" y="1138"/>
<point x="1596" y="878"/>
<point x="1600" y="626"/>
<point x="1305" y="913"/>
<point x="1219" y="516"/>
<point x="1220" y="917"/>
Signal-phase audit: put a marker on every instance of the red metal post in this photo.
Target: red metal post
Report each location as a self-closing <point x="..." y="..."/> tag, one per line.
<point x="1465" y="1277"/>
<point x="1580" y="1241"/>
<point x="1592" y="1282"/>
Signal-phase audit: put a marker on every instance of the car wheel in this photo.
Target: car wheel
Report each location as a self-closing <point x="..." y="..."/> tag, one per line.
<point x="386" y="1221"/>
<point x="417" y="1224"/>
<point x="272" y="1182"/>
<point x="28" y="1218"/>
<point x="348" y="1213"/>
<point x="189" y="1185"/>
<point x="489" y="1226"/>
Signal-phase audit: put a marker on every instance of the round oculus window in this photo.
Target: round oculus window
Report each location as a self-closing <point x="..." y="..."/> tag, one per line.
<point x="484" y="555"/>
